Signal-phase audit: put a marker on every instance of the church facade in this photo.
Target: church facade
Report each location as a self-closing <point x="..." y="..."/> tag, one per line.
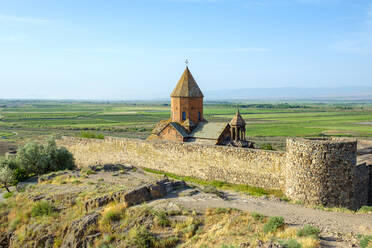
<point x="187" y="123"/>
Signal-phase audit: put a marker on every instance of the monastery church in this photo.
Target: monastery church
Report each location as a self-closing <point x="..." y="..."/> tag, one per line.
<point x="187" y="123"/>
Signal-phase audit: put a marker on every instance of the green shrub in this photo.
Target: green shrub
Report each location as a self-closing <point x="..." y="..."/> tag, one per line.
<point x="166" y="242"/>
<point x="290" y="243"/>
<point x="19" y="174"/>
<point x="88" y="171"/>
<point x="6" y="177"/>
<point x="273" y="224"/>
<point x="143" y="238"/>
<point x="266" y="146"/>
<point x="366" y="241"/>
<point x="7" y="195"/>
<point x="42" y="208"/>
<point x="162" y="219"/>
<point x="365" y="209"/>
<point x="91" y="135"/>
<point x="257" y="216"/>
<point x="39" y="159"/>
<point x="111" y="216"/>
<point x="308" y="231"/>
<point x="221" y="210"/>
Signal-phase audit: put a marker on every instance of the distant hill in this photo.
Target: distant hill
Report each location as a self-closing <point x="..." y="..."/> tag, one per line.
<point x="291" y="93"/>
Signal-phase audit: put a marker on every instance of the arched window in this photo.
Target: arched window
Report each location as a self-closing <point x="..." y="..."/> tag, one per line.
<point x="183" y="116"/>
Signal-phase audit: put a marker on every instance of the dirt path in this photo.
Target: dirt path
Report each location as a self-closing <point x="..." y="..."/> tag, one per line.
<point x="335" y="226"/>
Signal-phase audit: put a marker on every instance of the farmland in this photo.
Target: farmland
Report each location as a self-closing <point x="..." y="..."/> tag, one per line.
<point x="21" y="121"/>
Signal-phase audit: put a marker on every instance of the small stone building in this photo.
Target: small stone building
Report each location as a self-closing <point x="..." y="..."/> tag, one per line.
<point x="187" y="123"/>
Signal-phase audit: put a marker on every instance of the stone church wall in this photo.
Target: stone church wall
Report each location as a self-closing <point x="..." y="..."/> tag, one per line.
<point x="235" y="165"/>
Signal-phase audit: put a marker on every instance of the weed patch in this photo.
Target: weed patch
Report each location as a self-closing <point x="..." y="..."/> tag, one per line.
<point x="273" y="224"/>
<point x="7" y="195"/>
<point x="308" y="230"/>
<point x="258" y="217"/>
<point x="42" y="208"/>
<point x="366" y="241"/>
<point x="290" y="243"/>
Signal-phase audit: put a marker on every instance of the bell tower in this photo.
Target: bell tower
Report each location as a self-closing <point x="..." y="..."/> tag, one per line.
<point x="237" y="128"/>
<point x="187" y="101"/>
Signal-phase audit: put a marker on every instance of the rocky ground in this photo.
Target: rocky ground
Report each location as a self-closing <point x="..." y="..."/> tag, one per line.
<point x="81" y="198"/>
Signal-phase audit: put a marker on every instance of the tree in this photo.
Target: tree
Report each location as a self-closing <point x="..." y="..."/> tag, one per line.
<point x="31" y="158"/>
<point x="38" y="159"/>
<point x="6" y="177"/>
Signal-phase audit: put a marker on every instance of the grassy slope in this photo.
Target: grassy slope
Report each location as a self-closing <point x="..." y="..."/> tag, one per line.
<point x="139" y="226"/>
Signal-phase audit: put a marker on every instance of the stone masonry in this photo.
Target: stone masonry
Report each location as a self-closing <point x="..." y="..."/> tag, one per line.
<point x="320" y="171"/>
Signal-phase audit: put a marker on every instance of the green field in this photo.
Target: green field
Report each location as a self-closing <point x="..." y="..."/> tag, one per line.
<point x="21" y="121"/>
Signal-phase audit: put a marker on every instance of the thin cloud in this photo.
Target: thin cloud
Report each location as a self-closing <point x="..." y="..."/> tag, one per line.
<point x="9" y="18"/>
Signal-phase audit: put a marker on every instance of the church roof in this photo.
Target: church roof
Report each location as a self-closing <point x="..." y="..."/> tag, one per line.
<point x="208" y="130"/>
<point x="237" y="120"/>
<point x="180" y="129"/>
<point x="160" y="126"/>
<point x="164" y="123"/>
<point x="187" y="86"/>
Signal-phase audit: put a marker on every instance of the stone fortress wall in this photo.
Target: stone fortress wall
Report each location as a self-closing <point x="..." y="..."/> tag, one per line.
<point x="235" y="165"/>
<point x="321" y="171"/>
<point x="325" y="172"/>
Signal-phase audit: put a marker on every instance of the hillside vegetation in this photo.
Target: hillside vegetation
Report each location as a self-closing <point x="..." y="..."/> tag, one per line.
<point x="52" y="213"/>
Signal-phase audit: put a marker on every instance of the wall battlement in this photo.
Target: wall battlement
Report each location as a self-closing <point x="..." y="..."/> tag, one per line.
<point x="312" y="171"/>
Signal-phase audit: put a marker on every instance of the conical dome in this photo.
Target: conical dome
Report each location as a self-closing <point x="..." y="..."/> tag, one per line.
<point x="237" y="120"/>
<point x="186" y="86"/>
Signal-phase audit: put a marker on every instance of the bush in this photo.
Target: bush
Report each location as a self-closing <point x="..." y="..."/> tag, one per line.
<point x="41" y="159"/>
<point x="6" y="177"/>
<point x="273" y="224"/>
<point x="42" y="208"/>
<point x="366" y="241"/>
<point x="365" y="209"/>
<point x="308" y="230"/>
<point x="143" y="238"/>
<point x="266" y="146"/>
<point x="91" y="135"/>
<point x="111" y="216"/>
<point x="7" y="195"/>
<point x="166" y="242"/>
<point x="19" y="175"/>
<point x="290" y="243"/>
<point x="258" y="217"/>
<point x="161" y="219"/>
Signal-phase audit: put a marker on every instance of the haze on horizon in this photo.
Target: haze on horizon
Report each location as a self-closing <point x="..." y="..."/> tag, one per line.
<point x="125" y="50"/>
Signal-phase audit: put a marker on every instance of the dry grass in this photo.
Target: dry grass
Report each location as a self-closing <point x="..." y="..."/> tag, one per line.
<point x="134" y="226"/>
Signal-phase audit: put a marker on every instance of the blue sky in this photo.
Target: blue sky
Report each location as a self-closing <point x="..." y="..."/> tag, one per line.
<point x="135" y="49"/>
